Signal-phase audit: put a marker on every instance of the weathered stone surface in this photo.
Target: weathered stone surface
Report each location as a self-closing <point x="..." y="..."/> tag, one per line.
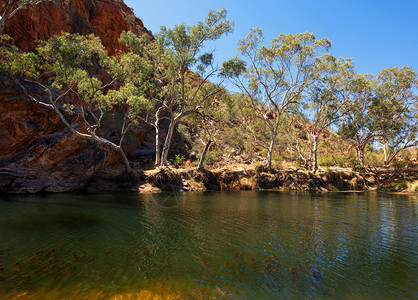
<point x="37" y="152"/>
<point x="104" y="18"/>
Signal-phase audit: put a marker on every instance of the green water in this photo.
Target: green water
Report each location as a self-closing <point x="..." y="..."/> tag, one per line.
<point x="246" y="245"/>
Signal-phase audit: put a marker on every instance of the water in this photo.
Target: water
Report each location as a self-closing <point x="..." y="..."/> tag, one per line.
<point x="246" y="245"/>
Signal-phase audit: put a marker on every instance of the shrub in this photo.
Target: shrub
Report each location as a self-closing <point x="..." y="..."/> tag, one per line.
<point x="329" y="161"/>
<point x="213" y="156"/>
<point x="326" y="161"/>
<point x="359" y="169"/>
<point x="399" y="164"/>
<point x="374" y="158"/>
<point x="277" y="157"/>
<point x="179" y="159"/>
<point x="299" y="163"/>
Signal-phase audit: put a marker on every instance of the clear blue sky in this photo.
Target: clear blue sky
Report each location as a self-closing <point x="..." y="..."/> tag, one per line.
<point x="376" y="34"/>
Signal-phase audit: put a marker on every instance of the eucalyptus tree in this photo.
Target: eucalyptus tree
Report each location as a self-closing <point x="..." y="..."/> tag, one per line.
<point x="202" y="127"/>
<point x="396" y="90"/>
<point x="323" y="104"/>
<point x="11" y="7"/>
<point x="274" y="76"/>
<point x="209" y="124"/>
<point x="142" y="68"/>
<point x="82" y="87"/>
<point x="361" y="121"/>
<point x="187" y="69"/>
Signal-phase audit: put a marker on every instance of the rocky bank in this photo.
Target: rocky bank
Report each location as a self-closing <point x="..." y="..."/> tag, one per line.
<point x="250" y="178"/>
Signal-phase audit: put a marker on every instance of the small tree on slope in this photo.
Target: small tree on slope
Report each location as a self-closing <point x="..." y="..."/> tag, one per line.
<point x="79" y="68"/>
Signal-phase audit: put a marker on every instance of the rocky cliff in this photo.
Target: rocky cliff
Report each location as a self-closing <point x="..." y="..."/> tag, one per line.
<point x="104" y="18"/>
<point x="37" y="152"/>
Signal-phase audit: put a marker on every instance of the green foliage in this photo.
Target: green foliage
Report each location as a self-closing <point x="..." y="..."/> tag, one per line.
<point x="374" y="158"/>
<point x="403" y="160"/>
<point x="76" y="62"/>
<point x="233" y="68"/>
<point x="359" y="122"/>
<point x="184" y="43"/>
<point x="204" y="60"/>
<point x="183" y="129"/>
<point x="354" y="164"/>
<point x="187" y="69"/>
<point x="78" y="65"/>
<point x="358" y="168"/>
<point x="72" y="60"/>
<point x="274" y="77"/>
<point x="399" y="186"/>
<point x="381" y="109"/>
<point x="398" y="109"/>
<point x="16" y="62"/>
<point x="299" y="163"/>
<point x="213" y="157"/>
<point x="326" y="161"/>
<point x="286" y="81"/>
<point x="352" y="161"/>
<point x="179" y="159"/>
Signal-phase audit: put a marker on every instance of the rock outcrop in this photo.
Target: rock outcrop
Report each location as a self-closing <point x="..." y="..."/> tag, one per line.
<point x="251" y="179"/>
<point x="37" y="152"/>
<point x="104" y="18"/>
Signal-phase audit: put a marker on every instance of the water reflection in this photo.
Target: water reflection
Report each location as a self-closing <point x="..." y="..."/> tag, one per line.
<point x="241" y="244"/>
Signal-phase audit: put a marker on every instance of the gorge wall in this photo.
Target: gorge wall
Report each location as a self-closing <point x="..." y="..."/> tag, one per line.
<point x="37" y="152"/>
<point x="104" y="18"/>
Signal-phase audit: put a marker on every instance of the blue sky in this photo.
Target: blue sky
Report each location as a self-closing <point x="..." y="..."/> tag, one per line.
<point x="376" y="34"/>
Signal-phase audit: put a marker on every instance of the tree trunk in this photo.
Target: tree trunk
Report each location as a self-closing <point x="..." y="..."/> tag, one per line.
<point x="386" y="154"/>
<point x="2" y="24"/>
<point x="8" y="12"/>
<point x="309" y="163"/>
<point x="393" y="155"/>
<point x="157" y="145"/>
<point x="315" y="154"/>
<point x="93" y="138"/>
<point x="203" y="157"/>
<point x="270" y="153"/>
<point x="167" y="143"/>
<point x="360" y="154"/>
<point x="124" y="159"/>
<point x="272" y="143"/>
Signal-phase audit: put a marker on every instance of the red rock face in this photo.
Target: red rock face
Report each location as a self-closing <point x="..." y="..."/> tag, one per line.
<point x="106" y="19"/>
<point x="37" y="152"/>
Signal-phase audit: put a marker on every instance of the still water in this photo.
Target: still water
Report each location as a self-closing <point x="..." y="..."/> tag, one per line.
<point x="246" y="245"/>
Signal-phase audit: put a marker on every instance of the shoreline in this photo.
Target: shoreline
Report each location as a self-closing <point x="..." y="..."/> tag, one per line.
<point x="233" y="177"/>
<point x="287" y="180"/>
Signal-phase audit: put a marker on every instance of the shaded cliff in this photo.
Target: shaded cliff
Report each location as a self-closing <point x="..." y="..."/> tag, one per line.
<point x="37" y="152"/>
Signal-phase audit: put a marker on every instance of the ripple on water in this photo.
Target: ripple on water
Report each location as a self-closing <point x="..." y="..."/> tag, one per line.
<point x="222" y="245"/>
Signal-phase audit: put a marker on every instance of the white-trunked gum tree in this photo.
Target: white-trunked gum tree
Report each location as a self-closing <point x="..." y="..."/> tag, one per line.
<point x="274" y="77"/>
<point x="187" y="69"/>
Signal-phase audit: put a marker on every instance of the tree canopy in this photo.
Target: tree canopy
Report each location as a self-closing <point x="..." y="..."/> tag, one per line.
<point x="275" y="76"/>
<point x="293" y="92"/>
